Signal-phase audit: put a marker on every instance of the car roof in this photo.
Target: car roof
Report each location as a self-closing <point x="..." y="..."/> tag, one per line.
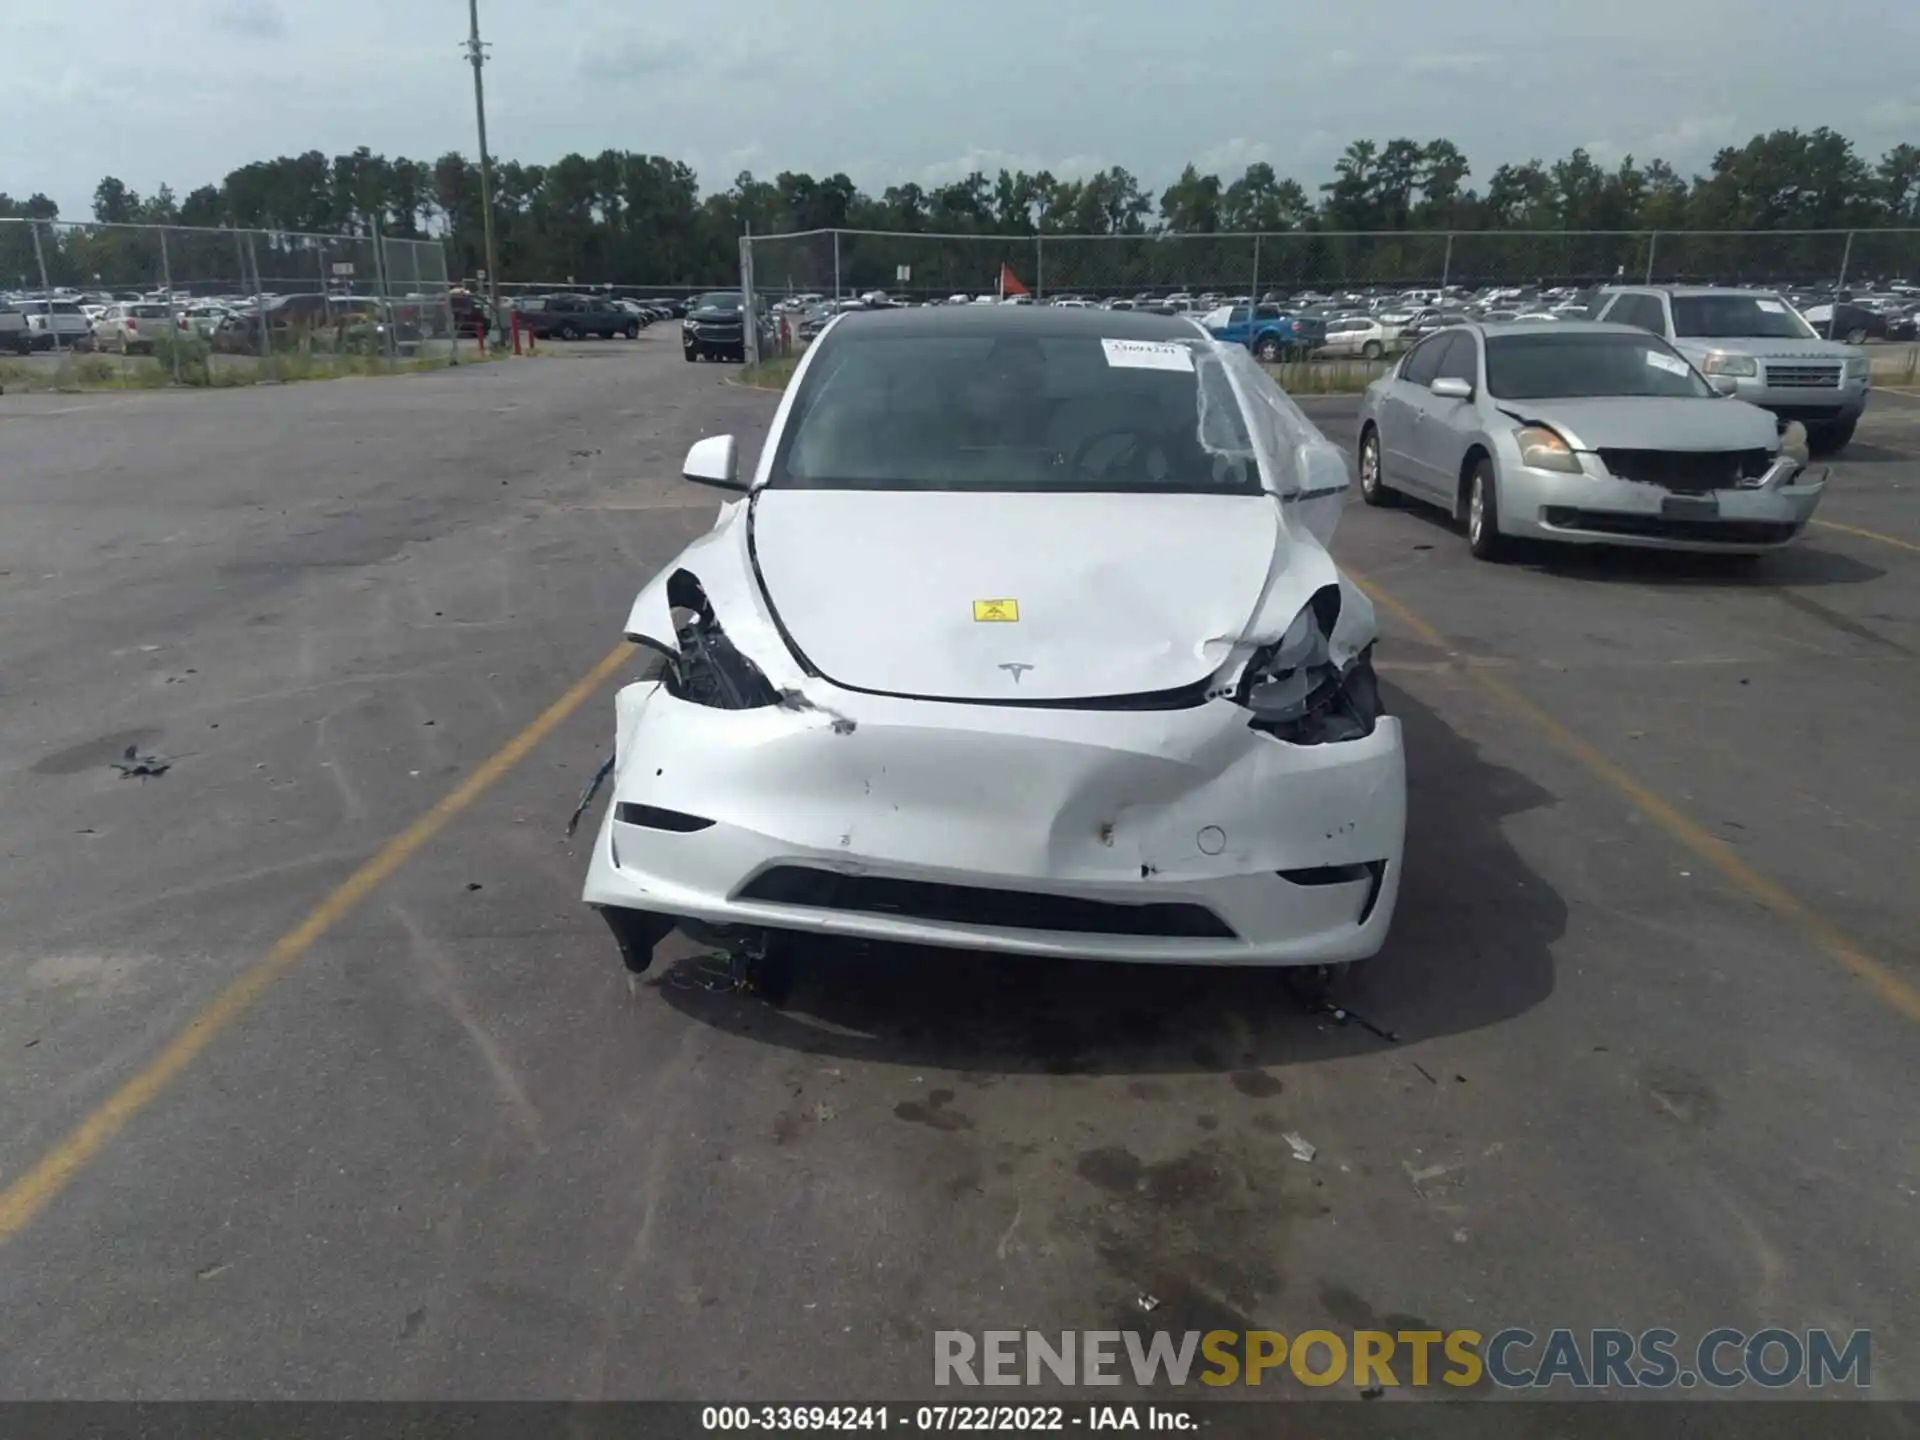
<point x="1689" y="290"/>
<point x="1493" y="329"/>
<point x="1046" y="321"/>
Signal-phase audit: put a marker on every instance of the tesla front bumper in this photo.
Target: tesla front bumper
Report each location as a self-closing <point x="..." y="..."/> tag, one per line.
<point x="1598" y="508"/>
<point x="1179" y="836"/>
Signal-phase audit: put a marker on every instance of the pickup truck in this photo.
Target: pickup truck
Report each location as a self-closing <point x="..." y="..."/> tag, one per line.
<point x="1272" y="334"/>
<point x="1757" y="347"/>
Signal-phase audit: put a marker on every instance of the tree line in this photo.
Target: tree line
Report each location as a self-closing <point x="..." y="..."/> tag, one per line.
<point x="635" y="219"/>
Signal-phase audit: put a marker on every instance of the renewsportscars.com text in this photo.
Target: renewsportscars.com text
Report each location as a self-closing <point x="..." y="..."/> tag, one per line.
<point x="1513" y="1359"/>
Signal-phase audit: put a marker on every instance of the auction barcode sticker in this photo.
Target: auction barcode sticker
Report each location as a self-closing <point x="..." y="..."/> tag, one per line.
<point x="1147" y="355"/>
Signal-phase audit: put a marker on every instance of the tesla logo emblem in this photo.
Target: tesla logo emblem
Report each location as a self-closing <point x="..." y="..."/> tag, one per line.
<point x="1016" y="670"/>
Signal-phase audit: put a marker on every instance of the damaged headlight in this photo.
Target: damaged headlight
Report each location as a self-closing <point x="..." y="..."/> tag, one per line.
<point x="710" y="671"/>
<point x="1297" y="693"/>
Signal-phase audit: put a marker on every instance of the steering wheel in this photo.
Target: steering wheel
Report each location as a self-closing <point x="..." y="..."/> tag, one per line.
<point x="1131" y="456"/>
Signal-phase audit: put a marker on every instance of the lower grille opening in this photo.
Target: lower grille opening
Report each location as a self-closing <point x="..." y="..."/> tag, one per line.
<point x="652" y="817"/>
<point x="1326" y="875"/>
<point x="1661" y="527"/>
<point x="975" y="905"/>
<point x="1374" y="870"/>
<point x="1687" y="470"/>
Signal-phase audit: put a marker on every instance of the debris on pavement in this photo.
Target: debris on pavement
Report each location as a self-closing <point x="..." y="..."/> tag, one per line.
<point x="1373" y="1392"/>
<point x="134" y="763"/>
<point x="1340" y="1015"/>
<point x="207" y="1272"/>
<point x="1425" y="1073"/>
<point x="473" y="885"/>
<point x="1149" y="1303"/>
<point x="1302" y="1150"/>
<point x="586" y="795"/>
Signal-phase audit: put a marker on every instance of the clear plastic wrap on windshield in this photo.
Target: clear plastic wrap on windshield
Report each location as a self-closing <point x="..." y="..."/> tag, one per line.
<point x="1245" y="417"/>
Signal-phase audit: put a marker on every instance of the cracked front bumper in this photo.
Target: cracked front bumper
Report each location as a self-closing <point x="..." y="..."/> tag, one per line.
<point x="1122" y="835"/>
<point x="1602" y="509"/>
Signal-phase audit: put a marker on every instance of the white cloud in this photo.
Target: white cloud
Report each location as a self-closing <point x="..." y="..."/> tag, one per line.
<point x="1694" y="133"/>
<point x="1230" y="158"/>
<point x="252" y="19"/>
<point x="990" y="162"/>
<point x="1459" y="64"/>
<point x="1894" y="114"/>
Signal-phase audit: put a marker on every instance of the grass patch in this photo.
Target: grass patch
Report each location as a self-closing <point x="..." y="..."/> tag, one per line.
<point x="772" y="374"/>
<point x="1327" y="377"/>
<point x="198" y="368"/>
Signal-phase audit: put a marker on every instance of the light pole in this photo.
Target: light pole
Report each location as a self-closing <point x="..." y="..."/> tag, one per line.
<point x="477" y="55"/>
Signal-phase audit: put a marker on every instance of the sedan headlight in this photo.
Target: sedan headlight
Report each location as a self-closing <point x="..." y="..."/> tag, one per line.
<point x="1720" y="364"/>
<point x="1542" y="449"/>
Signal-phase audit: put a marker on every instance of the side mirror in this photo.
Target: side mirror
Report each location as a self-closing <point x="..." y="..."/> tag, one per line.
<point x="1725" y="386"/>
<point x="1451" y="387"/>
<point x="714" y="461"/>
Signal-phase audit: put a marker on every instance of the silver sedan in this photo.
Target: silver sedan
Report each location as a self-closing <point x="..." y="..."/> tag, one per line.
<point x="1593" y="434"/>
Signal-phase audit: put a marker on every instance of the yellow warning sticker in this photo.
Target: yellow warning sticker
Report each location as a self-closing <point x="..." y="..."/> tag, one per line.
<point x="996" y="609"/>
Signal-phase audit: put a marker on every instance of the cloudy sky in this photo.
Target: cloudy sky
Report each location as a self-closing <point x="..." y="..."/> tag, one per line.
<point x="889" y="90"/>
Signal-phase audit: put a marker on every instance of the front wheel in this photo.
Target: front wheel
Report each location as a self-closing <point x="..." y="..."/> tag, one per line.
<point x="1373" y="488"/>
<point x="569" y="332"/>
<point x="1268" y="349"/>
<point x="1373" y="350"/>
<point x="1857" y="336"/>
<point x="632" y="332"/>
<point x="1483" y="513"/>
<point x="691" y="355"/>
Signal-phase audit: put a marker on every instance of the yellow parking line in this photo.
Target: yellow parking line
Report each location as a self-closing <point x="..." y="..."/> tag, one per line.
<point x="1897" y="992"/>
<point x="1868" y="534"/>
<point x="26" y="1196"/>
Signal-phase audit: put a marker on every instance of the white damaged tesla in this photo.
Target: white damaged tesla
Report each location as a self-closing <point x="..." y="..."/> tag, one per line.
<point x="1023" y="637"/>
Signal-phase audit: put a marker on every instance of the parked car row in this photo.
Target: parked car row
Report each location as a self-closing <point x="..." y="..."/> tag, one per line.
<point x="136" y="322"/>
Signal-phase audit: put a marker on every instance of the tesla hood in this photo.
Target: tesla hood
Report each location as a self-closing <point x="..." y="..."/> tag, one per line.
<point x="1013" y="597"/>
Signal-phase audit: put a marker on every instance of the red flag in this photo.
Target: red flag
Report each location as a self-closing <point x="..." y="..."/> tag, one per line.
<point x="1009" y="283"/>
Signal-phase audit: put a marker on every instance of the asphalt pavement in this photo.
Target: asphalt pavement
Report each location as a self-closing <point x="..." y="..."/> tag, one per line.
<point x="1653" y="980"/>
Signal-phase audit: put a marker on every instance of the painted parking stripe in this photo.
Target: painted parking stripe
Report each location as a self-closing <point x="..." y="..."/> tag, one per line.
<point x="30" y="1193"/>
<point x="1897" y="992"/>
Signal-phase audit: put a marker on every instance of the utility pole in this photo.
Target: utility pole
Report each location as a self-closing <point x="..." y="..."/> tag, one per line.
<point x="477" y="55"/>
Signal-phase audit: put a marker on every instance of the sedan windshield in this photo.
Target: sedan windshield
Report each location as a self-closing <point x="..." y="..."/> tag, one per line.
<point x="985" y="412"/>
<point x="1567" y="364"/>
<point x="1737" y="317"/>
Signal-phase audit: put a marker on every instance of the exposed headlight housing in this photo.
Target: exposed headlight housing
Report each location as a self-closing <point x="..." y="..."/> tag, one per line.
<point x="1793" y="441"/>
<point x="1719" y="363"/>
<point x="1296" y="692"/>
<point x="1543" y="449"/>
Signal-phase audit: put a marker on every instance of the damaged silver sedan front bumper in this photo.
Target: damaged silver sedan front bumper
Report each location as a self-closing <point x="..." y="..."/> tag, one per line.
<point x="1176" y="836"/>
<point x="1599" y="508"/>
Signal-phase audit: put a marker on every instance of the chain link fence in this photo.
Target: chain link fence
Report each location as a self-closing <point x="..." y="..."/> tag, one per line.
<point x="152" y="305"/>
<point x="847" y="264"/>
<point x="838" y="263"/>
